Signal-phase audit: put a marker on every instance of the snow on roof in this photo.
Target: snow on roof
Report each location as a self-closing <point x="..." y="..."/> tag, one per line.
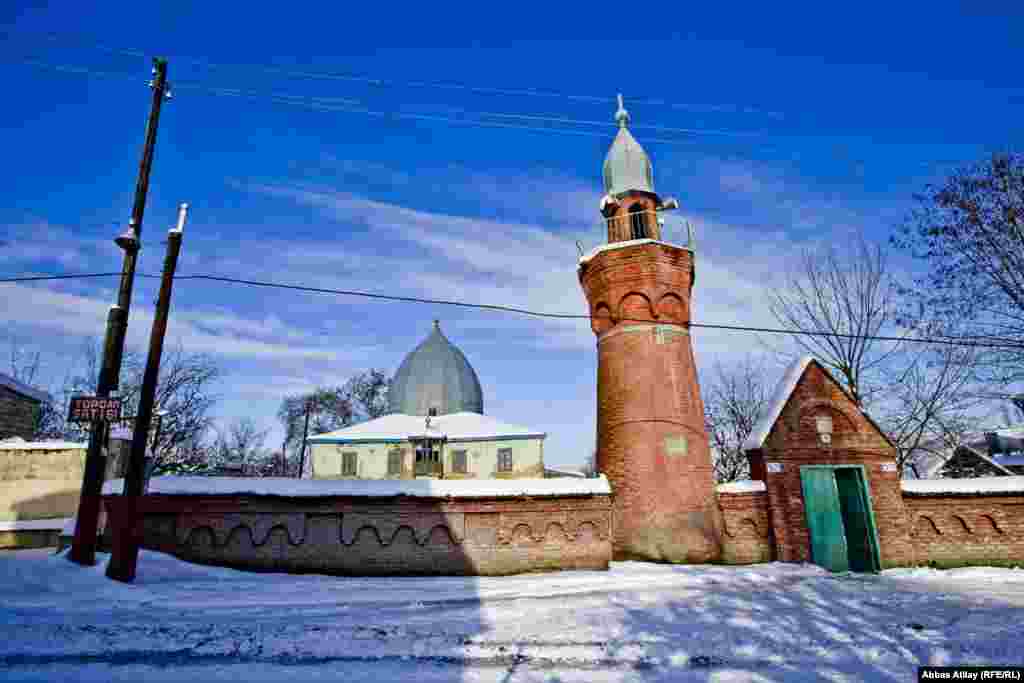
<point x="565" y="471"/>
<point x="40" y="445"/>
<point x="623" y="245"/>
<point x="977" y="485"/>
<point x="35" y="524"/>
<point x="415" y="488"/>
<point x="747" y="486"/>
<point x="23" y="389"/>
<point x="936" y="468"/>
<point x="399" y="427"/>
<point x="784" y="388"/>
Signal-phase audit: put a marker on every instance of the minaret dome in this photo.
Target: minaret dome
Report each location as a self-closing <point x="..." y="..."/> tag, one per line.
<point x="626" y="166"/>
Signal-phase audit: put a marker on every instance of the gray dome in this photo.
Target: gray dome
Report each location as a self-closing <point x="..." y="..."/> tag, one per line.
<point x="435" y="375"/>
<point x="627" y="166"/>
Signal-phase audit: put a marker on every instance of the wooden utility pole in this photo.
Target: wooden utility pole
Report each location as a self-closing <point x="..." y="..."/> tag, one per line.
<point x="125" y="551"/>
<point x="305" y="435"/>
<point x="83" y="546"/>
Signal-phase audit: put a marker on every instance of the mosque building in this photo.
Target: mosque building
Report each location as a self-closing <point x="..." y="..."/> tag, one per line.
<point x="435" y="428"/>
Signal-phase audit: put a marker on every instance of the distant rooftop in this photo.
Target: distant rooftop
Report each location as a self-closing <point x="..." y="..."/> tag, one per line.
<point x="23" y="389"/>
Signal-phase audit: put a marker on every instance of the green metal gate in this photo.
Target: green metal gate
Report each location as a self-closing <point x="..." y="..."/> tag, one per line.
<point x="840" y="518"/>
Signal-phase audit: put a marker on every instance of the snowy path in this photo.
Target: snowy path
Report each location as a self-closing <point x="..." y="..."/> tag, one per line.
<point x="636" y="622"/>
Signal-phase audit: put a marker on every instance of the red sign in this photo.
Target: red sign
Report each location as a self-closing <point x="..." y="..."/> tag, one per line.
<point x="93" y="409"/>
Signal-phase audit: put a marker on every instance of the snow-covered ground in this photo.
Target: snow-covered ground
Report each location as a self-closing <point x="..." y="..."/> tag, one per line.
<point x="637" y="622"/>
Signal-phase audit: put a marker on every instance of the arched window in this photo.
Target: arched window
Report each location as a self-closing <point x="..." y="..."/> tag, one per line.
<point x="637" y="222"/>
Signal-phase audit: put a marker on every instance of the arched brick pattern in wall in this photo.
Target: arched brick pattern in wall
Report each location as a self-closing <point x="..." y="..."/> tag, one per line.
<point x="634" y="307"/>
<point x="380" y="536"/>
<point x="746" y="538"/>
<point x="601" y="319"/>
<point x="672" y="308"/>
<point x="956" y="530"/>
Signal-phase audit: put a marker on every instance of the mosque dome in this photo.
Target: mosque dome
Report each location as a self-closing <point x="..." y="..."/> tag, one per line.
<point x="627" y="166"/>
<point x="435" y="375"/>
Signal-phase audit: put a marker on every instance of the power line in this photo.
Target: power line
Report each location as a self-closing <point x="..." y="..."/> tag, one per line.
<point x="963" y="341"/>
<point x="315" y="75"/>
<point x="350" y="106"/>
<point x="327" y="104"/>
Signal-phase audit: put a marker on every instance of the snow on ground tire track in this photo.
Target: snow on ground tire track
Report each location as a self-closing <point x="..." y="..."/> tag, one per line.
<point x="635" y="622"/>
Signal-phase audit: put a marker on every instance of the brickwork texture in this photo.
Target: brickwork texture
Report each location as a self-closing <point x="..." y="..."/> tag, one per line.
<point x="958" y="531"/>
<point x="746" y="537"/>
<point x="17" y="415"/>
<point x="651" y="441"/>
<point x="387" y="536"/>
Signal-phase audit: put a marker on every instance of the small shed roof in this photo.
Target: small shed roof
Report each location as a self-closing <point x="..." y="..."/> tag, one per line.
<point x="23" y="389"/>
<point x="934" y="471"/>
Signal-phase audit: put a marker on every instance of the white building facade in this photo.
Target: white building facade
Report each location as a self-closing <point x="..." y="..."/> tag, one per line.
<point x="436" y="428"/>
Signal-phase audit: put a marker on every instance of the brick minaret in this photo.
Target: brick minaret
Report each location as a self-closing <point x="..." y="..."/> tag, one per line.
<point x="651" y="441"/>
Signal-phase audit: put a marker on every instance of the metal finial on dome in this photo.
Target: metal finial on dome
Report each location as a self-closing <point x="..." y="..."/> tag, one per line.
<point x="437" y="324"/>
<point x="626" y="166"/>
<point x="622" y="116"/>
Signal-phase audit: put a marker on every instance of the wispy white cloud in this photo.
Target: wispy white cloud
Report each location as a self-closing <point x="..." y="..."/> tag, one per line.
<point x="538" y="371"/>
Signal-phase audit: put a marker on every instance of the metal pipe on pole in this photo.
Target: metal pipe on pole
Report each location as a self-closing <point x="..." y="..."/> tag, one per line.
<point x="125" y="550"/>
<point x="83" y="546"/>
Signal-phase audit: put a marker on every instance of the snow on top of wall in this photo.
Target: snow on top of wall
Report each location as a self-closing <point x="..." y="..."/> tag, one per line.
<point x="964" y="486"/>
<point x="623" y="245"/>
<point x="774" y="408"/>
<point x="35" y="524"/>
<point x="40" y="445"/>
<point x="416" y="488"/>
<point x="747" y="486"/>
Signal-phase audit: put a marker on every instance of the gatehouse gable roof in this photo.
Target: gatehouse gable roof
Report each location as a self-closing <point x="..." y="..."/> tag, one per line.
<point x="780" y="397"/>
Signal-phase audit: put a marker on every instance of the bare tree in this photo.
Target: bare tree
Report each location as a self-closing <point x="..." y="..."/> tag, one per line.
<point x="368" y="394"/>
<point x="329" y="409"/>
<point x="838" y="303"/>
<point x="851" y="297"/>
<point x="735" y="396"/>
<point x="184" y="397"/>
<point x="969" y="233"/>
<point x="925" y="409"/>
<point x="241" y="445"/>
<point x="362" y="397"/>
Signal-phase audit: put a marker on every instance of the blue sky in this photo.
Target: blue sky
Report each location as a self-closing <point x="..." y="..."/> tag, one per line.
<point x="812" y="124"/>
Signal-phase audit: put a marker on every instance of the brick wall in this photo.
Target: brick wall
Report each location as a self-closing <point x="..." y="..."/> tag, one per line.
<point x="651" y="441"/>
<point x="957" y="530"/>
<point x="794" y="442"/>
<point x="367" y="536"/>
<point x="17" y="415"/>
<point x="746" y="537"/>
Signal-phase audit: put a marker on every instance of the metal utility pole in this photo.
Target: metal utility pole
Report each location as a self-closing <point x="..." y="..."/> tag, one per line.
<point x="83" y="547"/>
<point x="125" y="551"/>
